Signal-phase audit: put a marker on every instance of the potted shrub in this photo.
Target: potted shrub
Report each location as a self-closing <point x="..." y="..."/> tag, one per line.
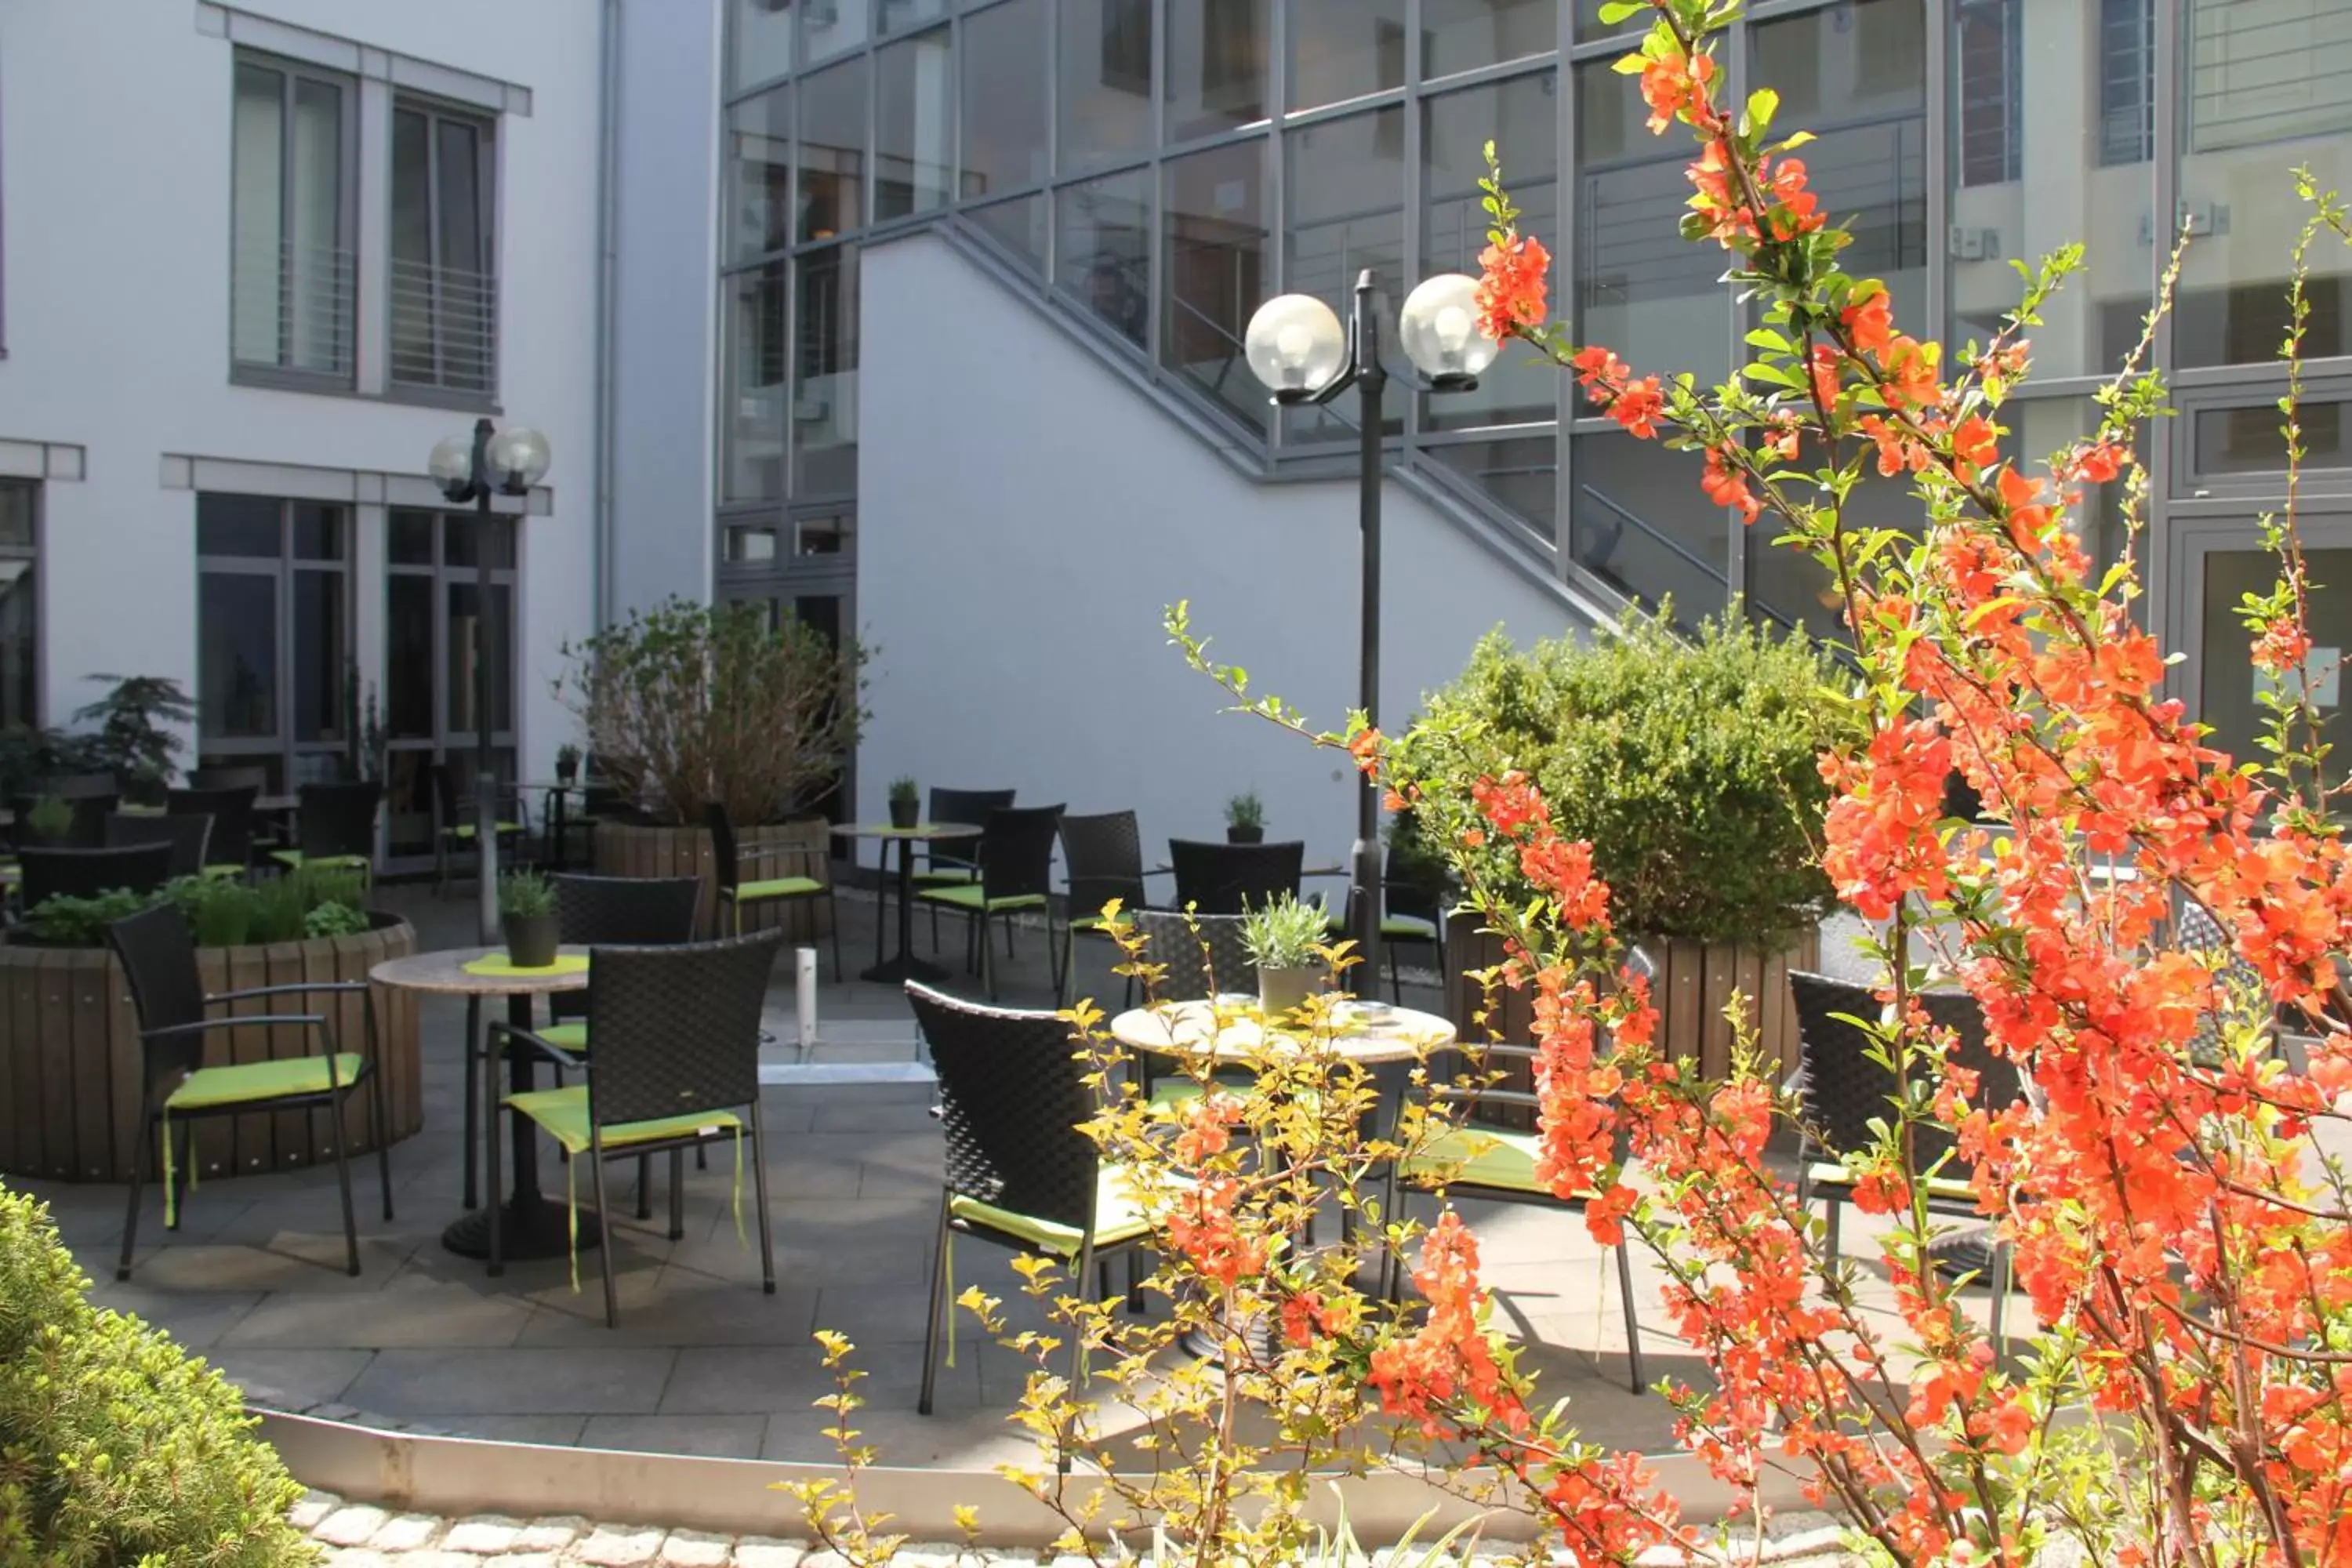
<point x="1690" y="764"/>
<point x="49" y="820"/>
<point x="906" y="803"/>
<point x="1246" y="818"/>
<point x="1281" y="938"/>
<point x="138" y="728"/>
<point x="567" y="763"/>
<point x="527" y="916"/>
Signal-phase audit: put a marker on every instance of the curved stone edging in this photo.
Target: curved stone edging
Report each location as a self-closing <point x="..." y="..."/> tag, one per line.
<point x="71" y="1075"/>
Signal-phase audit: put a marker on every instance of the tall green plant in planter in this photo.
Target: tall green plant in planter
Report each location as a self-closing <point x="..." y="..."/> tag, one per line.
<point x="1690" y="764"/>
<point x="688" y="703"/>
<point x="139" y="724"/>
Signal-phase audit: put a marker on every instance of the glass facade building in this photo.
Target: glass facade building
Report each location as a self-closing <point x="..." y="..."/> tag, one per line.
<point x="1157" y="168"/>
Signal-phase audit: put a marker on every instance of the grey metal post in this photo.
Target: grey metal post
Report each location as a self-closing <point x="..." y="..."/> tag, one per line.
<point x="486" y="797"/>
<point x="1372" y="381"/>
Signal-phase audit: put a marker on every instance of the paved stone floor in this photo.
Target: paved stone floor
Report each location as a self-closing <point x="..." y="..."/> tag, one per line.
<point x="703" y="1362"/>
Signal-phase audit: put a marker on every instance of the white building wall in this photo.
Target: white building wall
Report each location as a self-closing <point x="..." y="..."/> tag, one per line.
<point x="1024" y="516"/>
<point x="114" y="171"/>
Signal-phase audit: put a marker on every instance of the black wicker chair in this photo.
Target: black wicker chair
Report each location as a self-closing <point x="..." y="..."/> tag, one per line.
<point x="1498" y="1165"/>
<point x="158" y="953"/>
<point x="1019" y="1171"/>
<point x="949" y="863"/>
<point x="254" y="779"/>
<point x="808" y="879"/>
<point x="86" y="830"/>
<point x="1410" y="915"/>
<point x="2240" y="995"/>
<point x="229" y="851"/>
<point x="678" y="1066"/>
<point x="334" y="825"/>
<point x="1016" y="873"/>
<point x="86" y="873"/>
<point x="187" y="837"/>
<point x="1194" y="950"/>
<point x="454" y="828"/>
<point x="1102" y="857"/>
<point x="1226" y="878"/>
<point x="1844" y="1090"/>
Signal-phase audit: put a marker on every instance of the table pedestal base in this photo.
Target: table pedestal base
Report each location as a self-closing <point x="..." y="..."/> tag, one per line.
<point x="1967" y="1252"/>
<point x="531" y="1229"/>
<point x="906" y="966"/>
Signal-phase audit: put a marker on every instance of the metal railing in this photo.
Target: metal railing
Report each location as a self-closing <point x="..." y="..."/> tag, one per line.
<point x="444" y="327"/>
<point x="293" y="307"/>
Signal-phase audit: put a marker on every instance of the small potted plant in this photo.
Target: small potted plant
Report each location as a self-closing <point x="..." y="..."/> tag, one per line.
<point x="567" y="763"/>
<point x="1245" y="819"/>
<point x="527" y="914"/>
<point x="1281" y="938"/>
<point x="906" y="803"/>
<point x="49" y="820"/>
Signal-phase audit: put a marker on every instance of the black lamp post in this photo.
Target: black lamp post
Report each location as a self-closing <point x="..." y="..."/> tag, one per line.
<point x="475" y="468"/>
<point x="1298" y="348"/>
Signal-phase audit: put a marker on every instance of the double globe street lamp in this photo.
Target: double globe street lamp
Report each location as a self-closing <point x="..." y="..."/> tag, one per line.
<point x="1298" y="348"/>
<point x="475" y="468"/>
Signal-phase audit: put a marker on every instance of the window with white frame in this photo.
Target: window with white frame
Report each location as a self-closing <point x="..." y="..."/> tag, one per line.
<point x="293" y="273"/>
<point x="443" y="277"/>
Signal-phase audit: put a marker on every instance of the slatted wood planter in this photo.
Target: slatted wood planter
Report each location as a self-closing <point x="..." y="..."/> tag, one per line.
<point x="624" y="850"/>
<point x="1694" y="981"/>
<point x="70" y="1074"/>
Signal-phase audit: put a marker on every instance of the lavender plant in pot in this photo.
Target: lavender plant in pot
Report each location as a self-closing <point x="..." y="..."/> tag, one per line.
<point x="567" y="763"/>
<point x="527" y="915"/>
<point x="1245" y="819"/>
<point x="1283" y="938"/>
<point x="906" y="803"/>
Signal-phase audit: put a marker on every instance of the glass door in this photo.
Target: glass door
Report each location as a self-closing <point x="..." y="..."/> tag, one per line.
<point x="275" y="685"/>
<point x="430" y="625"/>
<point x="2221" y="561"/>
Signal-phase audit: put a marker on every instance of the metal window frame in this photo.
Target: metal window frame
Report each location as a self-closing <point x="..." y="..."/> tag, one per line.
<point x="279" y="373"/>
<point x="32" y="552"/>
<point x="282" y="569"/>
<point x="484" y="126"/>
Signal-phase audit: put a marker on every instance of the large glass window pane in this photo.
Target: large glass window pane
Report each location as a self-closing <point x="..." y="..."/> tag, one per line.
<point x="1517" y="474"/>
<point x="1214" y="273"/>
<point x="462" y="634"/>
<point x="20" y="606"/>
<point x="257" y="185"/>
<point x="2245" y="438"/>
<point x="755" y="385"/>
<point x="1344" y="49"/>
<point x="832" y="152"/>
<point x="237" y="655"/>
<point x="1638" y="521"/>
<point x="1004" y="99"/>
<point x="238" y="525"/>
<point x="2268" y="86"/>
<point x="1463" y="35"/>
<point x="2127" y="81"/>
<point x="906" y="15"/>
<point x="915" y="132"/>
<point x="408" y="656"/>
<point x="410" y="538"/>
<point x="2228" y="700"/>
<point x="1216" y="66"/>
<point x="461" y="531"/>
<point x="290" y="288"/>
<point x="1855" y="75"/>
<point x="1345" y="180"/>
<point x="2021" y="186"/>
<point x="1104" y="81"/>
<point x="1103" y="251"/>
<point x="831" y="27"/>
<point x="318" y="532"/>
<point x="1519" y="117"/>
<point x="825" y="379"/>
<point x="759" y="40"/>
<point x="1640" y="287"/>
<point x="442" y="293"/>
<point x="1018" y="225"/>
<point x="759" y="175"/>
<point x="321" y="654"/>
<point x="2041" y="427"/>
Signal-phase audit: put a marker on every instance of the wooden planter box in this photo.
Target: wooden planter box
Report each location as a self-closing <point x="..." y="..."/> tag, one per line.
<point x="1694" y="981"/>
<point x="624" y="850"/>
<point x="70" y="1073"/>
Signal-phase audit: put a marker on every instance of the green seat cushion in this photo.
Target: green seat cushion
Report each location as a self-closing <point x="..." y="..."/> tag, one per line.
<point x="1408" y="928"/>
<point x="1116" y="1218"/>
<point x="250" y="1082"/>
<point x="330" y="862"/>
<point x="1176" y="1088"/>
<point x="564" y="1112"/>
<point x="1830" y="1175"/>
<point x="971" y="896"/>
<point x="572" y="1036"/>
<point x="936" y="875"/>
<point x="777" y="887"/>
<point x="1478" y="1157"/>
<point x="225" y="869"/>
<point x="468" y="830"/>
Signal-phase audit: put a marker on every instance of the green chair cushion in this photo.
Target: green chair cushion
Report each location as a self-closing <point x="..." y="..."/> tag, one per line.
<point x="934" y="876"/>
<point x="468" y="830"/>
<point x="572" y="1036"/>
<point x="1478" y="1157"/>
<point x="329" y="862"/>
<point x="225" y="868"/>
<point x="564" y="1112"/>
<point x="1116" y="1218"/>
<point x="1176" y="1088"/>
<point x="777" y="887"/>
<point x="1408" y="928"/>
<point x="970" y="896"/>
<point x="248" y="1083"/>
<point x="1830" y="1175"/>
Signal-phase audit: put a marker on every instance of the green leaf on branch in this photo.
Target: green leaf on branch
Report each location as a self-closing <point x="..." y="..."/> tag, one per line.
<point x="1617" y="11"/>
<point x="1762" y="104"/>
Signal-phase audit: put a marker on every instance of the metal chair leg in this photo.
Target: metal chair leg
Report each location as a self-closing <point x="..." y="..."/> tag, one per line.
<point x="760" y="1201"/>
<point x="474" y="1051"/>
<point x="150" y="1128"/>
<point x="645" y="1187"/>
<point x="1135" y="1282"/>
<point x="604" y="1240"/>
<point x="379" y="1120"/>
<point x="832" y="919"/>
<point x="939" y="1304"/>
<point x="343" y="1183"/>
<point x="187" y="1158"/>
<point x="491" y="1159"/>
<point x="677" y="1194"/>
<point x="1633" y="1324"/>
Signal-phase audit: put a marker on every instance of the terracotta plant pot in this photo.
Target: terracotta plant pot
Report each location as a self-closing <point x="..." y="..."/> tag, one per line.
<point x="531" y="939"/>
<point x="905" y="813"/>
<point x="1244" y="835"/>
<point x="1281" y="991"/>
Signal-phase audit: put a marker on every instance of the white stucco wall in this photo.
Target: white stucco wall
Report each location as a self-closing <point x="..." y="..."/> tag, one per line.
<point x="115" y="122"/>
<point x="1023" y="517"/>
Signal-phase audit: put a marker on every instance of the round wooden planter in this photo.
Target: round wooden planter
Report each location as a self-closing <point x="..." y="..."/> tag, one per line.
<point x="1695" y="983"/>
<point x="71" y="1075"/>
<point x="624" y="850"/>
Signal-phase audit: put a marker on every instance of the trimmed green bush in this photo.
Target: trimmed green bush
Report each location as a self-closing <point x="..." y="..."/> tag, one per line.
<point x="116" y="1447"/>
<point x="1690" y="763"/>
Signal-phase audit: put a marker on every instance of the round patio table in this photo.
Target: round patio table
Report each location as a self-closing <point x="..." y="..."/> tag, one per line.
<point x="531" y="1227"/>
<point x="905" y="966"/>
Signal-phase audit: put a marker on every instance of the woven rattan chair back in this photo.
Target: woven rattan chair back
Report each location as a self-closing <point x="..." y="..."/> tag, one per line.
<point x="725" y="867"/>
<point x="2238" y="985"/>
<point x="78" y="786"/>
<point x="1016" y="851"/>
<point x="1845" y="1090"/>
<point x="1011" y="1096"/>
<point x="677" y="1028"/>
<point x="1226" y="878"/>
<point x="51" y="873"/>
<point x="1198" y="962"/>
<point x="158" y="953"/>
<point x="1103" y="858"/>
<point x="231" y="810"/>
<point x="626" y="912"/>
<point x="187" y="837"/>
<point x="973" y="806"/>
<point x="254" y="779"/>
<point x="337" y="819"/>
